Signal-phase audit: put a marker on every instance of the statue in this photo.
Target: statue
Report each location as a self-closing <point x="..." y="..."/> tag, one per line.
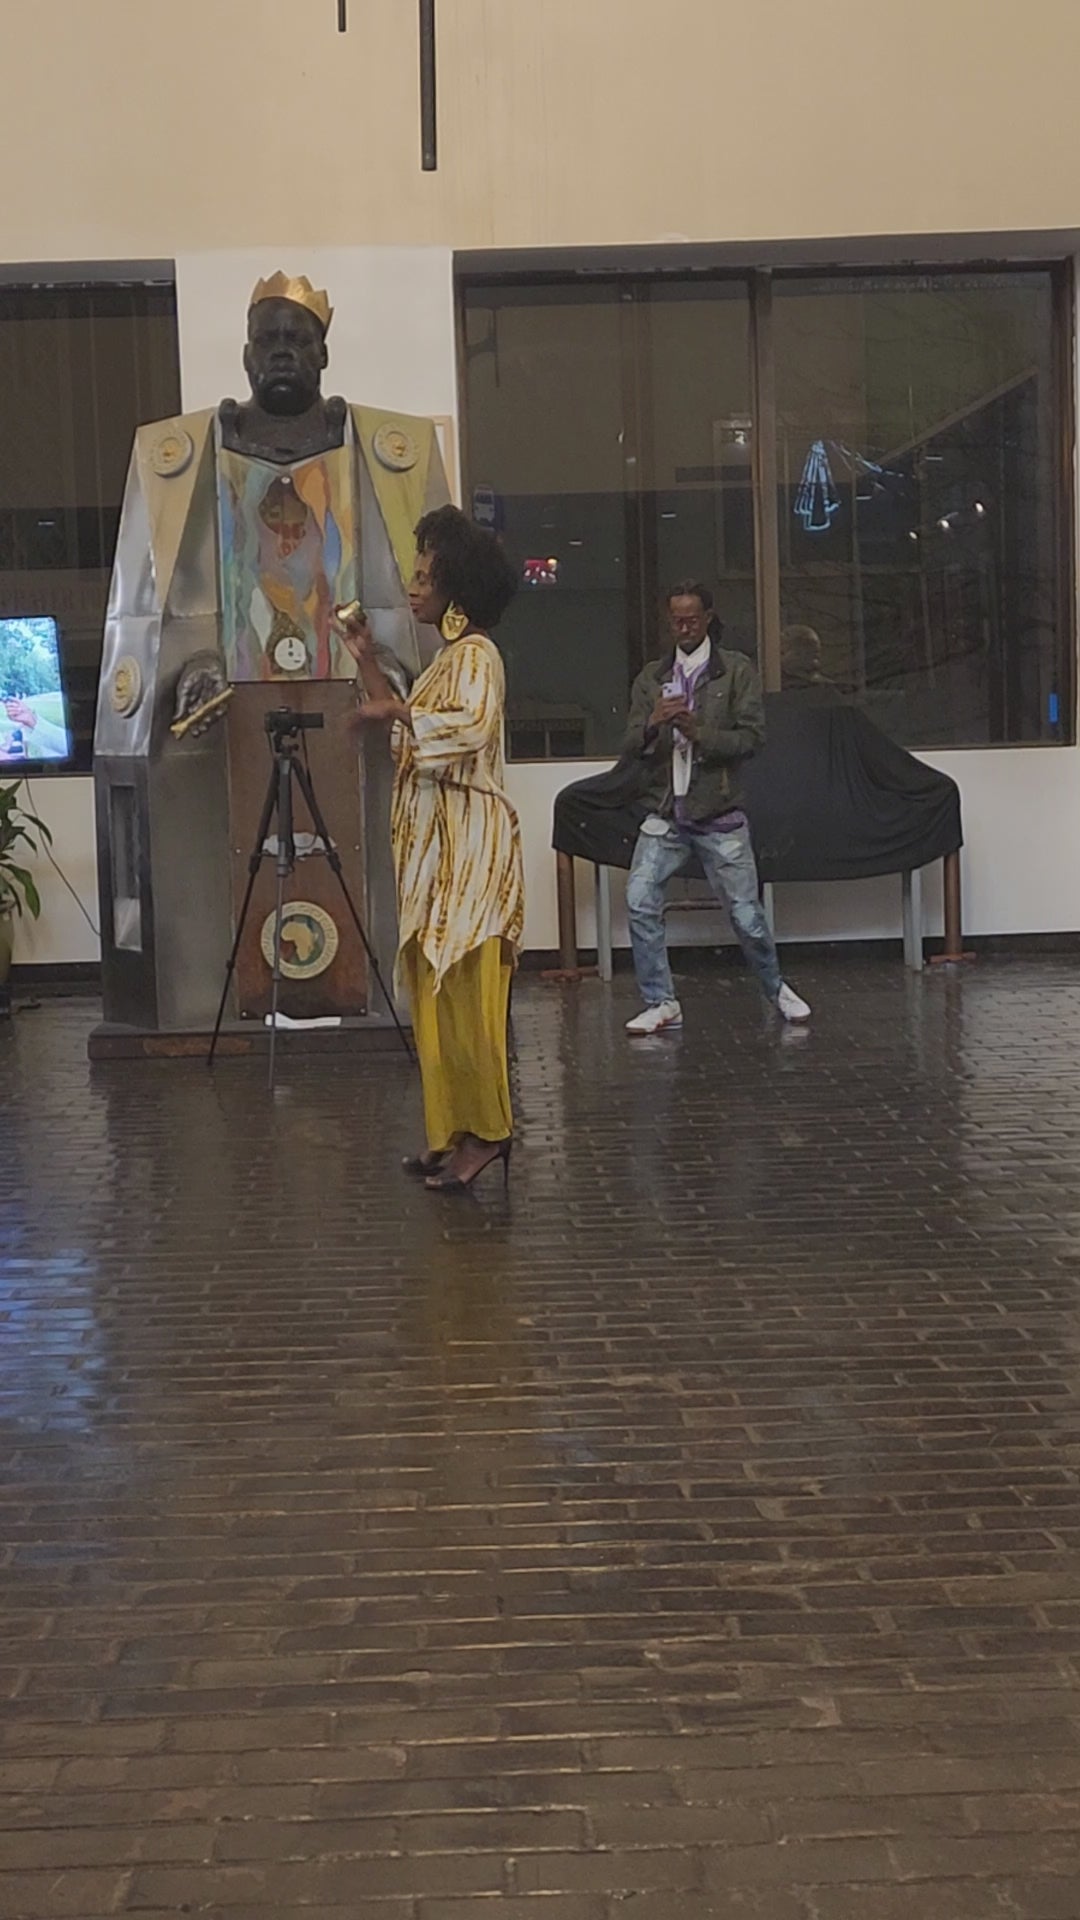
<point x="242" y="528"/>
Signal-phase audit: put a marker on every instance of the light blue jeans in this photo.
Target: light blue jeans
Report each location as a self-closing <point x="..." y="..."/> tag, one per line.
<point x="731" y="871"/>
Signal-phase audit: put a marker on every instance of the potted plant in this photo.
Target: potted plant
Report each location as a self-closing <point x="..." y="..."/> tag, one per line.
<point x="17" y="889"/>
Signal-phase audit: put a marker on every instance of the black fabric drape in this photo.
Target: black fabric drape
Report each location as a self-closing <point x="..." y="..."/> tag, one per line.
<point x="829" y="797"/>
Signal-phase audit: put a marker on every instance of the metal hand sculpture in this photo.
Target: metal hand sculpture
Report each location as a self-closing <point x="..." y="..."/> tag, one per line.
<point x="202" y="695"/>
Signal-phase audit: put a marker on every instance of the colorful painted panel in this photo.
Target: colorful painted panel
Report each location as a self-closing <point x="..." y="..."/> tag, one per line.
<point x="288" y="557"/>
<point x="400" y="452"/>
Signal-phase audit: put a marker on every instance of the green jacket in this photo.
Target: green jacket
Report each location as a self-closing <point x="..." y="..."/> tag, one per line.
<point x="731" y="726"/>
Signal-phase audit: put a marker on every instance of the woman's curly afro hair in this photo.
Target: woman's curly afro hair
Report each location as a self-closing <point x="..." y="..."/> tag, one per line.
<point x="468" y="565"/>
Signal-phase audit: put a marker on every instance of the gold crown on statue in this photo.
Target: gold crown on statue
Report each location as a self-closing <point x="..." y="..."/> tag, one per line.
<point x="284" y="286"/>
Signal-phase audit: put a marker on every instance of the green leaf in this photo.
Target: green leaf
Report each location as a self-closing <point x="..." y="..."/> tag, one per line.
<point x="17" y="828"/>
<point x="24" y="880"/>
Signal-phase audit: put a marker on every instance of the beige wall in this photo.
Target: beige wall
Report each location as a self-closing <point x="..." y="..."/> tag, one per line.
<point x="141" y="128"/>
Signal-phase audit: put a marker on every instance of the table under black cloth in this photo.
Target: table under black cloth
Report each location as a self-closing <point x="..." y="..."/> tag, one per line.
<point x="828" y="797"/>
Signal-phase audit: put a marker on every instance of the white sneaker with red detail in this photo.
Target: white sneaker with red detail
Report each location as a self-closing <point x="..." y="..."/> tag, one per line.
<point x="655" y="1019"/>
<point x="788" y="1004"/>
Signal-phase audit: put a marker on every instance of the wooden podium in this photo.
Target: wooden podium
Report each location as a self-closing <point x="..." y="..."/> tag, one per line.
<point x="324" y="967"/>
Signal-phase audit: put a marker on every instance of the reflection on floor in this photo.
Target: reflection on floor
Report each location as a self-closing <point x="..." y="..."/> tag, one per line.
<point x="693" y="1532"/>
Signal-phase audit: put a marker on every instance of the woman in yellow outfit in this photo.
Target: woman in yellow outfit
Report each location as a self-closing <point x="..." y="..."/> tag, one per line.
<point x="457" y="847"/>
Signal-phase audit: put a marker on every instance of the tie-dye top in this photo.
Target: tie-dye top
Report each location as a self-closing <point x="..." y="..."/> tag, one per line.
<point x="457" y="843"/>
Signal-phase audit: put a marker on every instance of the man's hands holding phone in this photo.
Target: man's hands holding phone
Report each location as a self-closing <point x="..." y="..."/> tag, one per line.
<point x="671" y="710"/>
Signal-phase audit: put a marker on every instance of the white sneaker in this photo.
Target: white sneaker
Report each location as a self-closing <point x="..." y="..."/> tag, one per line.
<point x="789" y="1006"/>
<point x="667" y="1014"/>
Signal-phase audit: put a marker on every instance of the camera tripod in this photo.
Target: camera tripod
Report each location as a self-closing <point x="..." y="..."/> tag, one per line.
<point x="283" y="731"/>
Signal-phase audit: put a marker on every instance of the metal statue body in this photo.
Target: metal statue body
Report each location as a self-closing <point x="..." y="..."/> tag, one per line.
<point x="242" y="527"/>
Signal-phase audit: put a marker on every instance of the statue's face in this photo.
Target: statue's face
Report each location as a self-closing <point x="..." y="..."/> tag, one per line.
<point x="284" y="356"/>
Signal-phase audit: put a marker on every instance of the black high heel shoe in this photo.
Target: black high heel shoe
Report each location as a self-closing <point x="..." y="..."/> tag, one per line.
<point x="453" y="1183"/>
<point x="424" y="1164"/>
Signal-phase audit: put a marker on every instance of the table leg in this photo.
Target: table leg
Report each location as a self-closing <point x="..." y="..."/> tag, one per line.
<point x="604" y="960"/>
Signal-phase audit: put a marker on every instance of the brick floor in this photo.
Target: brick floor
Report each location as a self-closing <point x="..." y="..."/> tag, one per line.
<point x="691" y="1535"/>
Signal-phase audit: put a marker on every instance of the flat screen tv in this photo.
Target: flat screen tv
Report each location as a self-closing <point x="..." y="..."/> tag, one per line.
<point x="34" y="726"/>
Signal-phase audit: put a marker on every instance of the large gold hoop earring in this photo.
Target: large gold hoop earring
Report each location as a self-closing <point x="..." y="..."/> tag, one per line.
<point x="453" y="623"/>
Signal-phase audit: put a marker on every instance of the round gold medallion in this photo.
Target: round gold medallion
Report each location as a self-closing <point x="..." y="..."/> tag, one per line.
<point x="171" y="453"/>
<point x="395" y="448"/>
<point x="125" y="690"/>
<point x="309" y="940"/>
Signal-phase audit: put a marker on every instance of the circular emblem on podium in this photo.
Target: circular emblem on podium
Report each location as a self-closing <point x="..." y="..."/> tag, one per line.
<point x="395" y="448"/>
<point x="309" y="940"/>
<point x="171" y="453"/>
<point x="125" y="690"/>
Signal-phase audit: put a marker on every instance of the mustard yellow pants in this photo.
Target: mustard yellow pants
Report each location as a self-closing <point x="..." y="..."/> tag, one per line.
<point x="460" y="1038"/>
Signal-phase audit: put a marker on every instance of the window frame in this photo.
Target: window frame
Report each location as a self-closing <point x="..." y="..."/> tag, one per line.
<point x="759" y="283"/>
<point x="90" y="292"/>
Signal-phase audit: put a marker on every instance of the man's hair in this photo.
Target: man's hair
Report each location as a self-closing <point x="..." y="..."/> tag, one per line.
<point x="691" y="590"/>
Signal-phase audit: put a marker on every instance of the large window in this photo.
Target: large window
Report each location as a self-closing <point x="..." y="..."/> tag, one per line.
<point x="871" y="472"/>
<point x="608" y="433"/>
<point x="80" y="368"/>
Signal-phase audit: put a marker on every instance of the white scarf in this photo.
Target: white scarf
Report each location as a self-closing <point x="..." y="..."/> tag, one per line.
<point x="688" y="670"/>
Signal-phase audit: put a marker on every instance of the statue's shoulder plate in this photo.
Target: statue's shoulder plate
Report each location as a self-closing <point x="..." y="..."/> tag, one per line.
<point x="166" y="448"/>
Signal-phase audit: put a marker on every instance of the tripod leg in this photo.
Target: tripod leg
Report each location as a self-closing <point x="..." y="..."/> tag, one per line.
<point x="279" y="914"/>
<point x="253" y="867"/>
<point x="333" y="857"/>
<point x="285" y="766"/>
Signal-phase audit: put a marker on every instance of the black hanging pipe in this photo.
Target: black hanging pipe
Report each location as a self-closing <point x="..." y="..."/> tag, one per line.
<point x="342" y="15"/>
<point x="428" y="128"/>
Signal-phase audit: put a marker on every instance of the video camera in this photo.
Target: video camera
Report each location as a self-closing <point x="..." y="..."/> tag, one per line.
<point x="284" y="723"/>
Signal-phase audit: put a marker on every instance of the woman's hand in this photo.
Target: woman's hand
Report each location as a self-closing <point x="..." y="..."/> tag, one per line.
<point x="355" y="635"/>
<point x="380" y="713"/>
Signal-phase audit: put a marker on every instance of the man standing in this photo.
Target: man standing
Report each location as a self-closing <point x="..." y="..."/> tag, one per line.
<point x="695" y="714"/>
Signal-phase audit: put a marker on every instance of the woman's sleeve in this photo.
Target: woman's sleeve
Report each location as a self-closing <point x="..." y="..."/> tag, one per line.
<point x="469" y="711"/>
<point x="393" y="670"/>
